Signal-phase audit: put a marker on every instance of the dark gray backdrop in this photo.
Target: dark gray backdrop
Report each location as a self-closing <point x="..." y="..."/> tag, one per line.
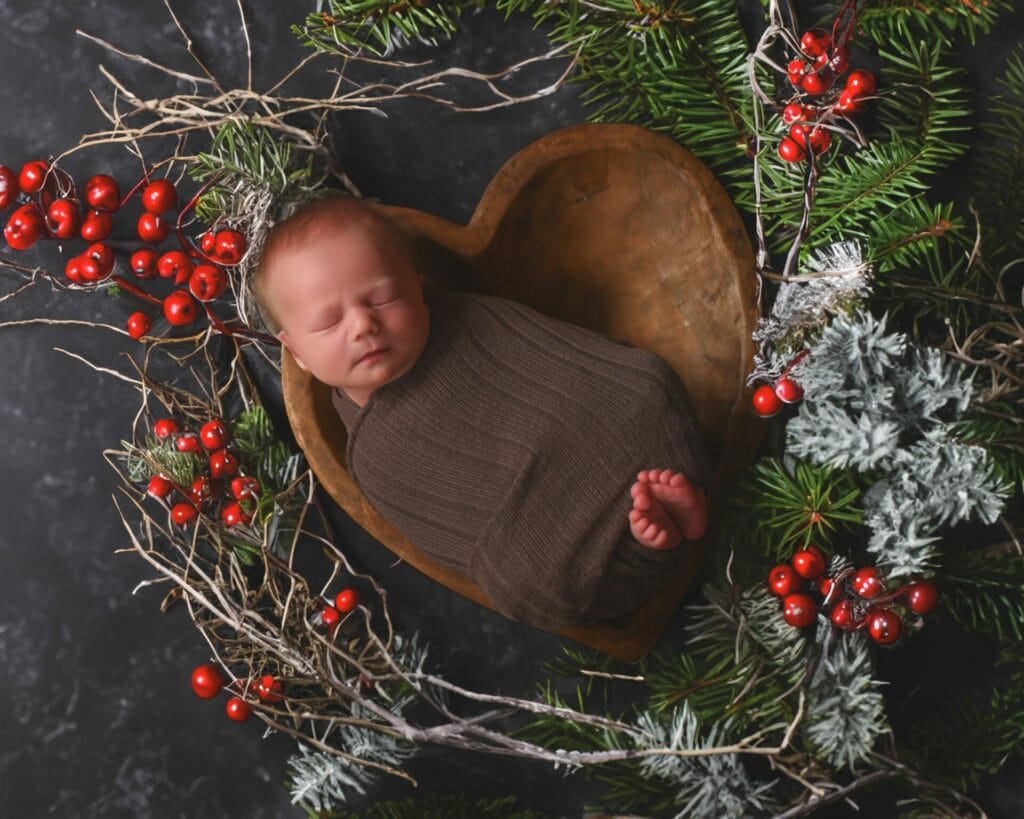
<point x="96" y="714"/>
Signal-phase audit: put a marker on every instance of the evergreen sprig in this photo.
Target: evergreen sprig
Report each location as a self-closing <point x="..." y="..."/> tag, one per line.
<point x="792" y="508"/>
<point x="444" y="806"/>
<point x="932" y="19"/>
<point x="679" y="69"/>
<point x="996" y="169"/>
<point x="380" y="26"/>
<point x="982" y="592"/>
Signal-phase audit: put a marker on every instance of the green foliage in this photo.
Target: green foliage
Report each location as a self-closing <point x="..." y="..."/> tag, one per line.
<point x="160" y="457"/>
<point x="1001" y="436"/>
<point x="682" y="74"/>
<point x="971" y="734"/>
<point x="789" y="511"/>
<point x="997" y="167"/>
<point x="982" y="592"/>
<point x="261" y="452"/>
<point x="379" y="26"/>
<point x="246" y="162"/>
<point x="943" y="20"/>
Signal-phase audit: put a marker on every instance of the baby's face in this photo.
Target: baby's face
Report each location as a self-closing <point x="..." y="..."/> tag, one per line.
<point x="342" y="294"/>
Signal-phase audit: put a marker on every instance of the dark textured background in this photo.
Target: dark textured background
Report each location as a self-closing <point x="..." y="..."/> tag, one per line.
<point x="96" y="714"/>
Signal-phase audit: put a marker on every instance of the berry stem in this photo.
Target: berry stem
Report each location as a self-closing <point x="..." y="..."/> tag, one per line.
<point x="139" y="184"/>
<point x="124" y="284"/>
<point x="231" y="332"/>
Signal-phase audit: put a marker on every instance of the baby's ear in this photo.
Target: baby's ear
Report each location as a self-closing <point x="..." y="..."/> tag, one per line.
<point x="287" y="342"/>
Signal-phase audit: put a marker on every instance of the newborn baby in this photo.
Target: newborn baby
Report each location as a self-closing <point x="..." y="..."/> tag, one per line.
<point x="549" y="463"/>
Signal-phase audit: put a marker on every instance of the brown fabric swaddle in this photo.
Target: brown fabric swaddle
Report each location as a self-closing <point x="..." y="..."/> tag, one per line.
<point x="508" y="450"/>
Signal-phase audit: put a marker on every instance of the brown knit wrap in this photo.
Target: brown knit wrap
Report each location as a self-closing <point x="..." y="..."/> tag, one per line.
<point x="508" y="450"/>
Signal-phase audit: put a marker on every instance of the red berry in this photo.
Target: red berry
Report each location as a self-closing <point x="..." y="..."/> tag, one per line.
<point x="799" y="132"/>
<point x="223" y="464"/>
<point x="245" y="487"/>
<point x="861" y="83"/>
<point x="177" y="264"/>
<point x="766" y="402"/>
<point x="143" y="263"/>
<point x="867" y="583"/>
<point x="159" y="487"/>
<point x="330" y="617"/>
<point x="820" y="140"/>
<point x="179" y="308"/>
<point x="165" y="427"/>
<point x="843" y="616"/>
<point x="346" y="600"/>
<point x="799" y="610"/>
<point x="102" y="193"/>
<point x="63" y="218"/>
<point x="922" y="596"/>
<point x="103" y="255"/>
<point x="788" y="390"/>
<point x="159" y="196"/>
<point x="839" y="61"/>
<point x="186" y="443"/>
<point x="24" y="227"/>
<point x="9" y="189"/>
<point x="232" y="514"/>
<point x="214" y="435"/>
<point x="793" y="112"/>
<point x="153" y="228"/>
<point x="791" y="151"/>
<point x="228" y="246"/>
<point x="138" y="324"/>
<point x="782" y="580"/>
<point x="848" y="102"/>
<point x="207" y="681"/>
<point x="201" y="490"/>
<point x="91" y="269"/>
<point x="825" y="586"/>
<point x="795" y="71"/>
<point x="815" y="42"/>
<point x="238" y="709"/>
<point x="30" y="180"/>
<point x="208" y="282"/>
<point x="73" y="270"/>
<point x="269" y="689"/>
<point x="884" y="626"/>
<point x="816" y="84"/>
<point x="183" y="513"/>
<point x="96" y="227"/>
<point x="206" y="242"/>
<point x="809" y="563"/>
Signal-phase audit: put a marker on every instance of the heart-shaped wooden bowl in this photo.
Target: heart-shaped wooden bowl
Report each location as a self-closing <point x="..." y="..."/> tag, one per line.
<point x="611" y="227"/>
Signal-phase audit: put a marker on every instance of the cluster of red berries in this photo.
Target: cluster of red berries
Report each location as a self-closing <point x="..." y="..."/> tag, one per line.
<point x="814" y="74"/>
<point x="857" y="597"/>
<point x="344" y="602"/>
<point x="768" y="399"/>
<point x="51" y="210"/>
<point x="208" y="681"/>
<point x="204" y="491"/>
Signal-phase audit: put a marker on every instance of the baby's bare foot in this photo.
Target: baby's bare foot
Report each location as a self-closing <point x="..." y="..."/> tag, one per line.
<point x="667" y="508"/>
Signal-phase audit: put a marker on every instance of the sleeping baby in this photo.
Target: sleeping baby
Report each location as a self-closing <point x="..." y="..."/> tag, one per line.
<point x="558" y="468"/>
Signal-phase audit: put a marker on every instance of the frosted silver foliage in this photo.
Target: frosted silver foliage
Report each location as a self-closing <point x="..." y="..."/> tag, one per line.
<point x="874" y="402"/>
<point x="845" y="709"/>
<point x="320" y="781"/>
<point x="715" y="786"/>
<point x="801" y="308"/>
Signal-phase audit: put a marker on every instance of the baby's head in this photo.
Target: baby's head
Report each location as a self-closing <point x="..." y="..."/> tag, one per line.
<point x="336" y="280"/>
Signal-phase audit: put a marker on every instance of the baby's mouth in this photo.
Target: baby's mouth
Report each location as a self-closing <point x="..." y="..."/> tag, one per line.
<point x="372" y="355"/>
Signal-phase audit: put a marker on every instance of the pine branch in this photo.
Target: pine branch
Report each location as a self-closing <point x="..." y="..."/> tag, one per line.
<point x="678" y="69"/>
<point x="971" y="734"/>
<point x="792" y="510"/>
<point x="982" y="592"/>
<point x="943" y="20"/>
<point x="997" y="166"/>
<point x="380" y="27"/>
